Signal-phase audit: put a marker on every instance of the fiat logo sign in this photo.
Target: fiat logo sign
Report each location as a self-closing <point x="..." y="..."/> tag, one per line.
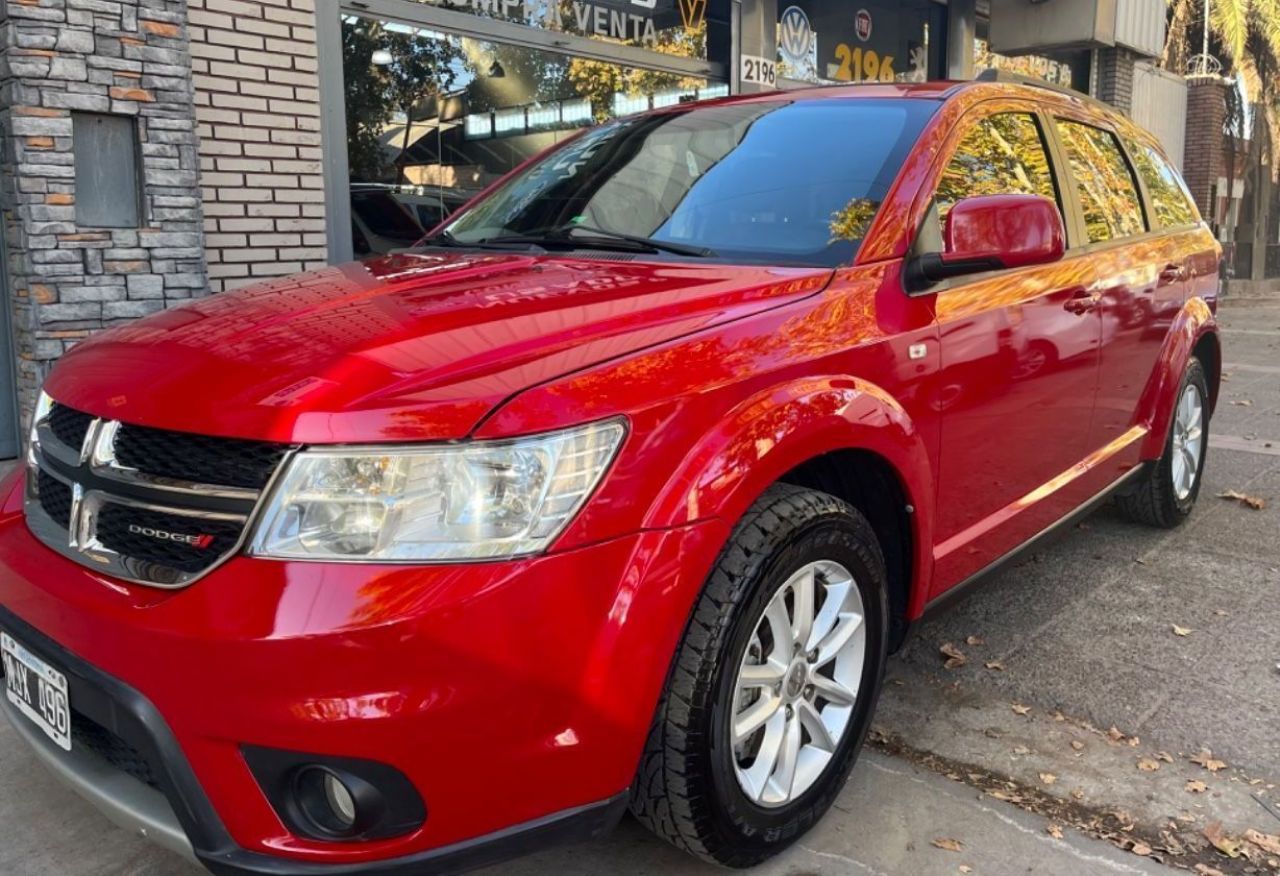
<point x="862" y="25"/>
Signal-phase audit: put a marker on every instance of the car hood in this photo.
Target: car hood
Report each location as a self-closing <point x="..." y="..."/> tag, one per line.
<point x="412" y="347"/>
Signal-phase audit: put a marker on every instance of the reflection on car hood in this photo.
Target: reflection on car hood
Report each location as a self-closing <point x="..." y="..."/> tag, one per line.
<point x="416" y="346"/>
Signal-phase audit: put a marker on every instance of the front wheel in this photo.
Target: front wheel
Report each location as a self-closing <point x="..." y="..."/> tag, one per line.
<point x="1167" y="492"/>
<point x="774" y="684"/>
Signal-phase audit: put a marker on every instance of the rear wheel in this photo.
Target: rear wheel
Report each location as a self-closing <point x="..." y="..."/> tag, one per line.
<point x="774" y="685"/>
<point x="1167" y="493"/>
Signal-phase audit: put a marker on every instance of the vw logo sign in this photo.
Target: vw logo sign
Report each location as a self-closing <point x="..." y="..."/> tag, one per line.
<point x="795" y="36"/>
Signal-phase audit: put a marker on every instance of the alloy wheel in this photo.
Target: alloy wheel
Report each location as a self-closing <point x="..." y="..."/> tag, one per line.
<point x="798" y="683"/>
<point x="1188" y="435"/>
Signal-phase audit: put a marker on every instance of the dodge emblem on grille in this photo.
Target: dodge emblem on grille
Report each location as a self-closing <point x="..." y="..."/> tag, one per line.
<point x="196" y="541"/>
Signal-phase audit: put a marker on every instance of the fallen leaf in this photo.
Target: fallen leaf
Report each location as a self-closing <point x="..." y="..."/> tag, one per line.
<point x="1206" y="759"/>
<point x="994" y="665"/>
<point x="1195" y="786"/>
<point x="1020" y="709"/>
<point x="975" y="641"/>
<point x="1147" y="765"/>
<point x="1222" y="841"/>
<point x="949" y="845"/>
<point x="965" y="868"/>
<point x="1244" y="498"/>
<point x="1141" y="849"/>
<point x="955" y="659"/>
<point x="1268" y="842"/>
<point x="1077" y="745"/>
<point x="1115" y="735"/>
<point x="1054" y="831"/>
<point x="1182" y="631"/>
<point x="1077" y="794"/>
<point x="1021" y="749"/>
<point x="1048" y="778"/>
<point x="1164" y="756"/>
<point x="1243" y="402"/>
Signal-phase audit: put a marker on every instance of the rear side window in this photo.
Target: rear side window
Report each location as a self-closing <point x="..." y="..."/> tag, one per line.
<point x="1170" y="201"/>
<point x="1108" y="193"/>
<point x="1002" y="154"/>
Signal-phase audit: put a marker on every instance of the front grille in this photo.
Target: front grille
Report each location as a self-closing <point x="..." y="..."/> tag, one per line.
<point x="130" y="531"/>
<point x="180" y="455"/>
<point x="55" y="498"/>
<point x="154" y="506"/>
<point x="69" y="425"/>
<point x="89" y="734"/>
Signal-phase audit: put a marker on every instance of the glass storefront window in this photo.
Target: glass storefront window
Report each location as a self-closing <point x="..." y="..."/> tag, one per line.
<point x="826" y="41"/>
<point x="673" y="27"/>
<point x="433" y="118"/>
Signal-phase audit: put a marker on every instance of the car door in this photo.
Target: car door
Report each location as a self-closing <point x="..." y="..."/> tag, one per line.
<point x="1144" y="277"/>
<point x="1127" y="275"/>
<point x="1019" y="357"/>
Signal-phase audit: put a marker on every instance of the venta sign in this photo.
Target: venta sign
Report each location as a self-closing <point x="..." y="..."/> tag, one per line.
<point x="632" y="21"/>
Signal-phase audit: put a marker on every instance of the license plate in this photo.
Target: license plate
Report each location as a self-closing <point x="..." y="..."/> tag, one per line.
<point x="37" y="690"/>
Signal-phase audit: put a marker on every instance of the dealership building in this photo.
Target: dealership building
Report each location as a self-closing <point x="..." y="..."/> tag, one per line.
<point x="158" y="150"/>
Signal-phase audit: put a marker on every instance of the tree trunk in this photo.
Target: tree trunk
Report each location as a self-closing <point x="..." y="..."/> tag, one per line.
<point x="401" y="176"/>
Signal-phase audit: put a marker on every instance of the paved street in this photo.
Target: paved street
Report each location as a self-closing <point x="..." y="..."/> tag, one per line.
<point x="1172" y="639"/>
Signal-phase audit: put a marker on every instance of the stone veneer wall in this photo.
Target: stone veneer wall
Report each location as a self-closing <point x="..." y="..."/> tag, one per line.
<point x="64" y="281"/>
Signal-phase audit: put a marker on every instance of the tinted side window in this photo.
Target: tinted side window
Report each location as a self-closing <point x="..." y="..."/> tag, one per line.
<point x="1170" y="201"/>
<point x="1000" y="155"/>
<point x="1108" y="194"/>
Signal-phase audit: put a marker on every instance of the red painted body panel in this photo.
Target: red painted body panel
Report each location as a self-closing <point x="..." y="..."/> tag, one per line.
<point x="412" y="347"/>
<point x="1000" y="404"/>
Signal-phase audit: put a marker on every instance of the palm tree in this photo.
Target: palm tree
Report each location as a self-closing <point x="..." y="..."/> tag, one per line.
<point x="1246" y="34"/>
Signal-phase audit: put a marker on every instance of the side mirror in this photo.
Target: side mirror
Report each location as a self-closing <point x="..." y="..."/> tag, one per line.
<point x="989" y="232"/>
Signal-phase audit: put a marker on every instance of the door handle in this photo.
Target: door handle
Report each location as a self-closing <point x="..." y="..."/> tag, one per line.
<point x="1082" y="301"/>
<point x="1172" y="273"/>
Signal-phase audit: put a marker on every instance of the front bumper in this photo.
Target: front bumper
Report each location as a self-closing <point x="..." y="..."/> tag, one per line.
<point x="515" y="696"/>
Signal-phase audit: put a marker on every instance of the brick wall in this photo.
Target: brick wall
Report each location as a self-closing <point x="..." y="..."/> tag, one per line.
<point x="258" y="107"/>
<point x="1203" y="158"/>
<point x="106" y="56"/>
<point x="1115" y="77"/>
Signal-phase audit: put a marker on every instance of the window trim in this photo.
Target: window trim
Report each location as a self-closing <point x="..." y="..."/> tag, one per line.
<point x="1129" y="144"/>
<point x="1081" y="243"/>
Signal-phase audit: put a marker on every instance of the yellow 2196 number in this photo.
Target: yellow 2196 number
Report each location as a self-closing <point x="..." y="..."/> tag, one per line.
<point x="857" y="65"/>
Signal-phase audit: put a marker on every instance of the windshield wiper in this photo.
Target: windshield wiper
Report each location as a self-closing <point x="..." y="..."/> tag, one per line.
<point x="516" y="242"/>
<point x="654" y="244"/>
<point x="563" y="235"/>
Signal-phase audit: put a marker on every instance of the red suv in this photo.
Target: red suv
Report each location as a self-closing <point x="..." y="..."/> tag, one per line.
<point x="614" y="492"/>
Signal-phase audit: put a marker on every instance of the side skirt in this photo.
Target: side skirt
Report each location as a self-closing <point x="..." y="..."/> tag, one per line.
<point x="958" y="592"/>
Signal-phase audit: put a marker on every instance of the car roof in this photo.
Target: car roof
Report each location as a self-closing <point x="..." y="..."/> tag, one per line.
<point x="969" y="91"/>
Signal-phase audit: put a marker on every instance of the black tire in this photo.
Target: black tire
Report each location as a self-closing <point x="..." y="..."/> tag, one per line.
<point x="686" y="790"/>
<point x="1153" y="500"/>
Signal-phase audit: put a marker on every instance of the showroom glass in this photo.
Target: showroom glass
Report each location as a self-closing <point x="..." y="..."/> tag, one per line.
<point x="776" y="182"/>
<point x="1000" y="155"/>
<point x="1170" y="200"/>
<point x="433" y="118"/>
<point x="1108" y="194"/>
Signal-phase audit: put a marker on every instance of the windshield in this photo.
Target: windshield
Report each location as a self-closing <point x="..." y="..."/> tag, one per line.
<point x="779" y="182"/>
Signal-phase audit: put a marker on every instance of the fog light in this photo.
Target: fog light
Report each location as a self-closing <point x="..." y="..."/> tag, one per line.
<point x="339" y="799"/>
<point x="328" y="801"/>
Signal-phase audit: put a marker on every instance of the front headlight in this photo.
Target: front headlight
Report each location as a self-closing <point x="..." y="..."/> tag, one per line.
<point x="451" y="502"/>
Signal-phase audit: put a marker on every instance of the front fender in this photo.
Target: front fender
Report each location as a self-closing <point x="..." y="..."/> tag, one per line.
<point x="775" y="430"/>
<point x="1192" y="323"/>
